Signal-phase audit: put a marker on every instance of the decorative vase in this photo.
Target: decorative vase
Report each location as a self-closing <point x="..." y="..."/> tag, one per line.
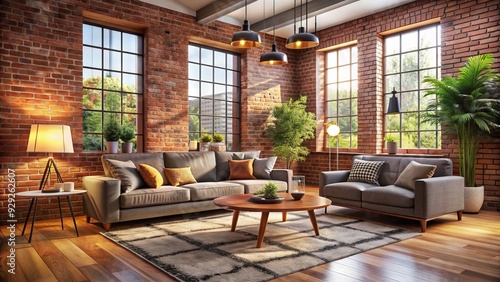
<point x="112" y="147"/>
<point x="218" y="146"/>
<point x="298" y="189"/>
<point x="473" y="199"/>
<point x="204" y="146"/>
<point x="127" y="147"/>
<point x="392" y="148"/>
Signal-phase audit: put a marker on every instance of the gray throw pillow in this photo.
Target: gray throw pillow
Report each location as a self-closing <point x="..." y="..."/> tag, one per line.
<point x="127" y="173"/>
<point x="365" y="171"/>
<point x="262" y="167"/>
<point x="412" y="172"/>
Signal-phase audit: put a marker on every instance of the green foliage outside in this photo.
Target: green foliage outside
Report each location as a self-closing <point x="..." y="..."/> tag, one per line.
<point x="269" y="191"/>
<point x="290" y="127"/>
<point x="461" y="106"/>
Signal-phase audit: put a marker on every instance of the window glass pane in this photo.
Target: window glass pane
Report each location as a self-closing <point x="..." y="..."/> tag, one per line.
<point x="194" y="105"/>
<point x="391" y="45"/>
<point x="112" y="60"/>
<point x="207" y="56"/>
<point x="354" y="71"/>
<point x="409" y="41"/>
<point x="132" y="43"/>
<point x="112" y="101"/>
<point x="331" y="108"/>
<point x="207" y="73"/>
<point x="331" y="58"/>
<point x="220" y="75"/>
<point x="344" y="73"/>
<point x="220" y="59"/>
<point x="220" y="92"/>
<point x="207" y="90"/>
<point x="207" y="107"/>
<point x="409" y="81"/>
<point x="392" y="122"/>
<point x="354" y="55"/>
<point x="220" y="108"/>
<point x="344" y="124"/>
<point x="428" y="58"/>
<point x="409" y="101"/>
<point x="331" y="75"/>
<point x="428" y="37"/>
<point x="132" y="83"/>
<point x="92" y="121"/>
<point x="92" y="35"/>
<point x="193" y="71"/>
<point x="410" y="140"/>
<point x="131" y="103"/>
<point x="392" y="81"/>
<point x="206" y="124"/>
<point x="409" y="61"/>
<point x="92" y="78"/>
<point x="331" y="91"/>
<point x="112" y="39"/>
<point x="392" y="64"/>
<point x="92" y="142"/>
<point x="193" y="54"/>
<point x="344" y="108"/>
<point x="92" y="99"/>
<point x="354" y="89"/>
<point x="92" y="57"/>
<point x="132" y="63"/>
<point x="344" y="90"/>
<point x="344" y="56"/>
<point x="354" y="107"/>
<point x="194" y="88"/>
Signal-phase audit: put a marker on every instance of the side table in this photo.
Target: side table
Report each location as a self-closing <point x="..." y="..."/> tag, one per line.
<point x="35" y="195"/>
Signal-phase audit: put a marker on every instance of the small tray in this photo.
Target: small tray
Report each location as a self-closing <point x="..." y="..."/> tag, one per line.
<point x="262" y="200"/>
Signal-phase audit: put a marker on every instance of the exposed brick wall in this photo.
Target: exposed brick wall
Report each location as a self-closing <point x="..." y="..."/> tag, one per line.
<point x="468" y="28"/>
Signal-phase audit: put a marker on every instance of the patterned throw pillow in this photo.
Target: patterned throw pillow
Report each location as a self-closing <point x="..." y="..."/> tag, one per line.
<point x="179" y="176"/>
<point x="365" y="171"/>
<point x="151" y="175"/>
<point x="412" y="172"/>
<point x="241" y="169"/>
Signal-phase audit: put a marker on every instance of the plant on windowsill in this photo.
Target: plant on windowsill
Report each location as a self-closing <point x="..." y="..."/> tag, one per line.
<point x="205" y="140"/>
<point x="127" y="136"/>
<point x="392" y="145"/>
<point x="462" y="107"/>
<point x="218" y="144"/>
<point x="112" y="132"/>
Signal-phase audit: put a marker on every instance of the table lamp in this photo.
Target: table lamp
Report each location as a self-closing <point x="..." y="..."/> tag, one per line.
<point x="333" y="130"/>
<point x="49" y="138"/>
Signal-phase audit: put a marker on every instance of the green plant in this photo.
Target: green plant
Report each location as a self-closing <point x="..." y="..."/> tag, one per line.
<point x="269" y="191"/>
<point x="218" y="137"/>
<point x="461" y="108"/>
<point x="112" y="130"/>
<point x="127" y="134"/>
<point x="390" y="138"/>
<point x="206" y="138"/>
<point x="291" y="125"/>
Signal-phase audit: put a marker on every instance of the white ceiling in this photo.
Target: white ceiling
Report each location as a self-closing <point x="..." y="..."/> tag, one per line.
<point x="350" y="11"/>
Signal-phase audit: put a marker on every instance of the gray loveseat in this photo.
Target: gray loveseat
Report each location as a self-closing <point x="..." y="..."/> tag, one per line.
<point x="429" y="198"/>
<point x="110" y="199"/>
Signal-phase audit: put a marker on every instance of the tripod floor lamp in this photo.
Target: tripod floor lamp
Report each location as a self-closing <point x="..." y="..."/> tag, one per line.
<point x="49" y="138"/>
<point x="333" y="130"/>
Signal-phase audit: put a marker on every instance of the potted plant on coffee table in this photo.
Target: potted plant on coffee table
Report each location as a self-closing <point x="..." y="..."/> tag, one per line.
<point x="460" y="106"/>
<point x="392" y="145"/>
<point x="112" y="132"/>
<point x="268" y="194"/>
<point x="127" y="136"/>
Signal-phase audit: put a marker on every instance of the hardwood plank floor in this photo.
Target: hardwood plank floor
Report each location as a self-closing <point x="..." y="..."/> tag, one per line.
<point x="450" y="250"/>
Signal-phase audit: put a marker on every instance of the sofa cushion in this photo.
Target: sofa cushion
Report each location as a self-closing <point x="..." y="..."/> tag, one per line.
<point x="154" y="196"/>
<point x="202" y="164"/>
<point x="211" y="190"/>
<point x="153" y="159"/>
<point x="222" y="160"/>
<point x="412" y="172"/>
<point x="390" y="195"/>
<point x="241" y="169"/>
<point x="347" y="190"/>
<point x="262" y="167"/>
<point x="254" y="185"/>
<point x="179" y="176"/>
<point x="127" y="173"/>
<point x="151" y="175"/>
<point x="365" y="171"/>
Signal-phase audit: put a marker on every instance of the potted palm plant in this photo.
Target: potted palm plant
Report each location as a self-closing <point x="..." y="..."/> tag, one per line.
<point x="461" y="107"/>
<point x="112" y="132"/>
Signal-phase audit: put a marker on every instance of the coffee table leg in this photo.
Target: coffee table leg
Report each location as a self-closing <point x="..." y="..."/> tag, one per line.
<point x="236" y="214"/>
<point x="312" y="216"/>
<point x="283" y="216"/>
<point x="262" y="228"/>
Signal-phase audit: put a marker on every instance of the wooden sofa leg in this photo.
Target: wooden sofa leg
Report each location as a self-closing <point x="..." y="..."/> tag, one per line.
<point x="423" y="225"/>
<point x="326" y="209"/>
<point x="87" y="218"/>
<point x="106" y="226"/>
<point x="459" y="215"/>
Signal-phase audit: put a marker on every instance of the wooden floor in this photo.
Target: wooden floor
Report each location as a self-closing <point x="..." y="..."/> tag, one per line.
<point x="450" y="250"/>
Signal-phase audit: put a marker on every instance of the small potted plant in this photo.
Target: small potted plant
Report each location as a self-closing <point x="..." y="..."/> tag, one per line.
<point x="112" y="132"/>
<point x="127" y="136"/>
<point x="392" y="145"/>
<point x="269" y="191"/>
<point x="205" y="140"/>
<point x="218" y="144"/>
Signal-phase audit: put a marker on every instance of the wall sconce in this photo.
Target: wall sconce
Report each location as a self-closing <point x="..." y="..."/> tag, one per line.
<point x="393" y="103"/>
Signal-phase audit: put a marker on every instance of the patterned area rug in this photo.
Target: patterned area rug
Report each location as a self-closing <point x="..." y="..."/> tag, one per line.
<point x="204" y="248"/>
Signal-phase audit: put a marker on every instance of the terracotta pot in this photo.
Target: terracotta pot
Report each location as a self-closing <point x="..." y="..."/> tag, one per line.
<point x="473" y="199"/>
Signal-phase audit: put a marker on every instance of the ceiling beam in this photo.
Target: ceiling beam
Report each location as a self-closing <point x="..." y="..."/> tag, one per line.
<point x="218" y="9"/>
<point x="314" y="8"/>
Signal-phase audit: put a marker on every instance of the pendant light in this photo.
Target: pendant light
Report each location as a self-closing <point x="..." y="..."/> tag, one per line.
<point x="246" y="38"/>
<point x="274" y="57"/>
<point x="301" y="40"/>
<point x="393" y="103"/>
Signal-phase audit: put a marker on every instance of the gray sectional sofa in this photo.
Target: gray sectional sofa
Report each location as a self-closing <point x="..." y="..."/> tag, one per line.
<point x="399" y="192"/>
<point x="122" y="195"/>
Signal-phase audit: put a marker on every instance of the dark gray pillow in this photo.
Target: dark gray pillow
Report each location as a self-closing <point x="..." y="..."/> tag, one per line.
<point x="262" y="167"/>
<point x="127" y="173"/>
<point x="365" y="171"/>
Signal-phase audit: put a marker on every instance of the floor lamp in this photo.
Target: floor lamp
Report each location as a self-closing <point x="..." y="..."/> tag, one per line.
<point x="49" y="138"/>
<point x="333" y="130"/>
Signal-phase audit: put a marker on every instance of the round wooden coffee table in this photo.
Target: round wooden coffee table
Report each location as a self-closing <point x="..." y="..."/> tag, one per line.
<point x="242" y="202"/>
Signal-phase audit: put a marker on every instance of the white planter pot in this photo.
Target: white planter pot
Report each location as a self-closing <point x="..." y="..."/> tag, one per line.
<point x="392" y="148"/>
<point x="112" y="147"/>
<point x="205" y="146"/>
<point x="127" y="147"/>
<point x="473" y="199"/>
<point x="218" y="147"/>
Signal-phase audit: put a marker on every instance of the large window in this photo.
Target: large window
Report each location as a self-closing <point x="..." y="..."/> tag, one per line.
<point x="341" y="84"/>
<point x="409" y="57"/>
<point x="214" y="94"/>
<point x="112" y="83"/>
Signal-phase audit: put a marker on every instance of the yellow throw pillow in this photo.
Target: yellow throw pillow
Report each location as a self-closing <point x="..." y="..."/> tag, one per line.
<point x="179" y="176"/>
<point x="151" y="175"/>
<point x="241" y="169"/>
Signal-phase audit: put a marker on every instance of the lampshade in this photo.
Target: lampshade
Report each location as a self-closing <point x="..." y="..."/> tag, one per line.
<point x="393" y="103"/>
<point x="302" y="40"/>
<point x="274" y="57"/>
<point x="49" y="138"/>
<point x="333" y="130"/>
<point x="246" y="38"/>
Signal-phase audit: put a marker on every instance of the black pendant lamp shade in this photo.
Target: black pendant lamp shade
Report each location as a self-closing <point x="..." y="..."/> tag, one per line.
<point x="246" y="38"/>
<point x="273" y="58"/>
<point x="393" y="103"/>
<point x="302" y="39"/>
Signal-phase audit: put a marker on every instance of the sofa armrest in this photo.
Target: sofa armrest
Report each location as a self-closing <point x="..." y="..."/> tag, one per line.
<point x="102" y="200"/>
<point x="283" y="175"/>
<point x="437" y="196"/>
<point x="327" y="177"/>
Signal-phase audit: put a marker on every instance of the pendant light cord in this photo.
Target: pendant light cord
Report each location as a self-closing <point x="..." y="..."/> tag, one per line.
<point x="294" y="16"/>
<point x="246" y="18"/>
<point x="274" y="25"/>
<point x="307" y="29"/>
